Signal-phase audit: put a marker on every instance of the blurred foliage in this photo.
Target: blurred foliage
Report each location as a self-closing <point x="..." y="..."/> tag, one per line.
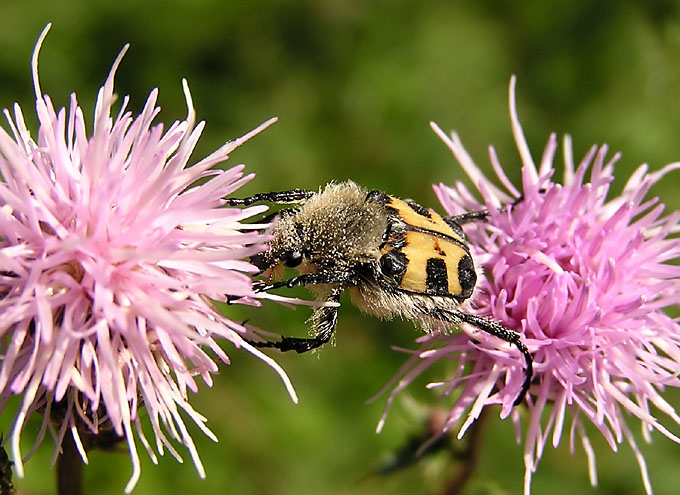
<point x="354" y="85"/>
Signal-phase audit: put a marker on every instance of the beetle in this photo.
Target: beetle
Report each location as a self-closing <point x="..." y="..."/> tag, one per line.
<point x="395" y="257"/>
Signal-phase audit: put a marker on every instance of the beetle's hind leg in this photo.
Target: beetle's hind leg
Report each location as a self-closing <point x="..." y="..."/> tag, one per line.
<point x="292" y="196"/>
<point x="515" y="338"/>
<point x="325" y="318"/>
<point x="496" y="329"/>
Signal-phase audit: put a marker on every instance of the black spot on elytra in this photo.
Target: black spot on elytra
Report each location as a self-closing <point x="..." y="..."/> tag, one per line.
<point x="437" y="280"/>
<point x="420" y="210"/>
<point x="393" y="265"/>
<point x="466" y="276"/>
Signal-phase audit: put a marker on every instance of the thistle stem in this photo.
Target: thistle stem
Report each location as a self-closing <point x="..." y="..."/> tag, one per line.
<point x="470" y="456"/>
<point x="69" y="469"/>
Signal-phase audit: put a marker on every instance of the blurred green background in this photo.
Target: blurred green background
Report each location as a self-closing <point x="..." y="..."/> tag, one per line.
<point x="354" y="85"/>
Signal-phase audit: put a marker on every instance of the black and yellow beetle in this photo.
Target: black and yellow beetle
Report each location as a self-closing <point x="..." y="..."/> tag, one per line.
<point x="395" y="257"/>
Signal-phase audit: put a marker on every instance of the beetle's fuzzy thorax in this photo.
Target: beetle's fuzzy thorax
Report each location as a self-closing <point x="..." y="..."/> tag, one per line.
<point x="334" y="230"/>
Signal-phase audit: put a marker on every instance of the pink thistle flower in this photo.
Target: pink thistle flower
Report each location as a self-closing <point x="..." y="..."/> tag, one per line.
<point x="112" y="251"/>
<point x="586" y="279"/>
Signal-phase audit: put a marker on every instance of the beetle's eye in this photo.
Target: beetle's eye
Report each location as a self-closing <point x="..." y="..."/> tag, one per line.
<point x="292" y="258"/>
<point x="392" y="263"/>
<point x="466" y="275"/>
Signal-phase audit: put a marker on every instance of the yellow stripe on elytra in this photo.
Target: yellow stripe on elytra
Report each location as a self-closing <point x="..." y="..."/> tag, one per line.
<point x="420" y="247"/>
<point x="410" y="217"/>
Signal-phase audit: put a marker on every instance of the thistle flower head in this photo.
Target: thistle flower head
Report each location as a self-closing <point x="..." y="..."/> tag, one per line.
<point x="585" y="277"/>
<point x="112" y="250"/>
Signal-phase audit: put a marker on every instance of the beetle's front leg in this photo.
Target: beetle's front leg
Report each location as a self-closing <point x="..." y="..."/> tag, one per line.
<point x="293" y="196"/>
<point x="309" y="279"/>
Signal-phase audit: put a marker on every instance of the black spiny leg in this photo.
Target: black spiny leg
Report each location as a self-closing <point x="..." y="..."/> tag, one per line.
<point x="476" y="216"/>
<point x="514" y="338"/>
<point x="467" y="217"/>
<point x="310" y="279"/>
<point x="456" y="221"/>
<point x="324" y="318"/>
<point x="293" y="196"/>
